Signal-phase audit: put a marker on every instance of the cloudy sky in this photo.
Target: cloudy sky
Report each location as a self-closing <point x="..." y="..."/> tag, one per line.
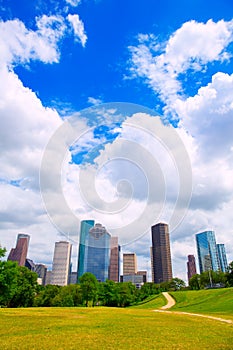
<point x="118" y="111"/>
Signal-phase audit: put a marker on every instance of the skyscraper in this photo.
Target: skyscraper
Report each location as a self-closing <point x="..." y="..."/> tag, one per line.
<point x="94" y="253"/>
<point x="129" y="264"/>
<point x="61" y="263"/>
<point x="19" y="253"/>
<point x="207" y="251"/>
<point x="161" y="255"/>
<point x="191" y="266"/>
<point x="222" y="257"/>
<point x="86" y="225"/>
<point x="114" y="266"/>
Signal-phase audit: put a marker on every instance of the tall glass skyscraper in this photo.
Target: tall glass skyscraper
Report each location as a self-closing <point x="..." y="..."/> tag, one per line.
<point x="94" y="250"/>
<point x="222" y="257"/>
<point x="207" y="251"/>
<point x="86" y="225"/>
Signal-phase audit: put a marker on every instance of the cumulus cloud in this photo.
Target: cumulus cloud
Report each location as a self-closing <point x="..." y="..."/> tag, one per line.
<point x="19" y="44"/>
<point x="192" y="46"/>
<point x="78" y="28"/>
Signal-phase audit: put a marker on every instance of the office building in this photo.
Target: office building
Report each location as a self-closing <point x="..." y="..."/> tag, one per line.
<point x="19" y="253"/>
<point x="94" y="253"/>
<point x="207" y="251"/>
<point x="152" y="265"/>
<point x="86" y="225"/>
<point x="143" y="274"/>
<point x="161" y="254"/>
<point x="137" y="280"/>
<point x="30" y="264"/>
<point x="61" y="263"/>
<point x="222" y="257"/>
<point x="114" y="266"/>
<point x="41" y="271"/>
<point x="129" y="264"/>
<point x="48" y="278"/>
<point x="191" y="266"/>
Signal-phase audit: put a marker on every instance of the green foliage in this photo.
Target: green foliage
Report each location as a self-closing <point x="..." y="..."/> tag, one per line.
<point x="89" y="287"/>
<point x="229" y="275"/>
<point x="2" y="252"/>
<point x="207" y="279"/>
<point x="18" y="285"/>
<point x="26" y="288"/>
<point x="8" y="281"/>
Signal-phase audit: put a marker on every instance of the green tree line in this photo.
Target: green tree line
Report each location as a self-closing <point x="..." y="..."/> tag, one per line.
<point x="212" y="279"/>
<point x="19" y="288"/>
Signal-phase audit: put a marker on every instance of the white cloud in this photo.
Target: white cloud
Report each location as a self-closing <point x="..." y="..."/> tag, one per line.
<point x="73" y="3"/>
<point x="78" y="28"/>
<point x="19" y="44"/>
<point x="94" y="101"/>
<point x="192" y="46"/>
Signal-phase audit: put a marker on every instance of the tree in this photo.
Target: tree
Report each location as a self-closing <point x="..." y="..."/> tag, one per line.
<point x="26" y="288"/>
<point x="127" y="293"/>
<point x="8" y="281"/>
<point x="89" y="287"/>
<point x="176" y="284"/>
<point x="229" y="274"/>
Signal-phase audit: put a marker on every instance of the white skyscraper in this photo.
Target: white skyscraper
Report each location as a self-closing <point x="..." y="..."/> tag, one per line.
<point x="61" y="263"/>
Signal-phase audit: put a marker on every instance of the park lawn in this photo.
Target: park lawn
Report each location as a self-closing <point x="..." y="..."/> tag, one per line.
<point x="152" y="302"/>
<point x="218" y="302"/>
<point x="109" y="328"/>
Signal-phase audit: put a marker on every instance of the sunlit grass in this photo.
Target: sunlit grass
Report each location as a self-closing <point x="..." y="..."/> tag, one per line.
<point x="109" y="328"/>
<point x="212" y="301"/>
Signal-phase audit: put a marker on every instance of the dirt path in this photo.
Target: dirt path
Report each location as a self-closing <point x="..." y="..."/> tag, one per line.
<point x="171" y="302"/>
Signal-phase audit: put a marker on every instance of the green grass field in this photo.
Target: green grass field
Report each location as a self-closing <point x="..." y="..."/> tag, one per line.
<point x="212" y="301"/>
<point x="137" y="327"/>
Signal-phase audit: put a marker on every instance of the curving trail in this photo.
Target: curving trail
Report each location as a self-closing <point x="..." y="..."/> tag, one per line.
<point x="171" y="302"/>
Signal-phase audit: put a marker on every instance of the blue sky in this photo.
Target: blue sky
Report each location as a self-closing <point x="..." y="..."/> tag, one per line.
<point x="172" y="57"/>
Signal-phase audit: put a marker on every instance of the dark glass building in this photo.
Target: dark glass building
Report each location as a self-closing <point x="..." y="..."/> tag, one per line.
<point x="191" y="266"/>
<point x="222" y="257"/>
<point x="161" y="254"/>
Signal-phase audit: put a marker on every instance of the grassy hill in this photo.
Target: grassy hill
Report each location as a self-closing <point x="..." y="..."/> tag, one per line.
<point x="137" y="327"/>
<point x="210" y="301"/>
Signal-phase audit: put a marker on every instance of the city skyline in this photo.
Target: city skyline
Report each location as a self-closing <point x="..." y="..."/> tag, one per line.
<point x="67" y="61"/>
<point x="62" y="272"/>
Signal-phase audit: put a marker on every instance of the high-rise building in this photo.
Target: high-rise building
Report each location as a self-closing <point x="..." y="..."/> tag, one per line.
<point x="61" y="263"/>
<point x="86" y="225"/>
<point x="152" y="264"/>
<point x="94" y="253"/>
<point x="161" y="254"/>
<point x="41" y="271"/>
<point x="19" y="253"/>
<point x="207" y="251"/>
<point x="114" y="266"/>
<point x="129" y="264"/>
<point x="222" y="257"/>
<point x="191" y="266"/>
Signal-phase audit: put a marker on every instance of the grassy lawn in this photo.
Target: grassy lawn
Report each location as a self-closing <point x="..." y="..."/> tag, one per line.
<point x="217" y="302"/>
<point x="109" y="328"/>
